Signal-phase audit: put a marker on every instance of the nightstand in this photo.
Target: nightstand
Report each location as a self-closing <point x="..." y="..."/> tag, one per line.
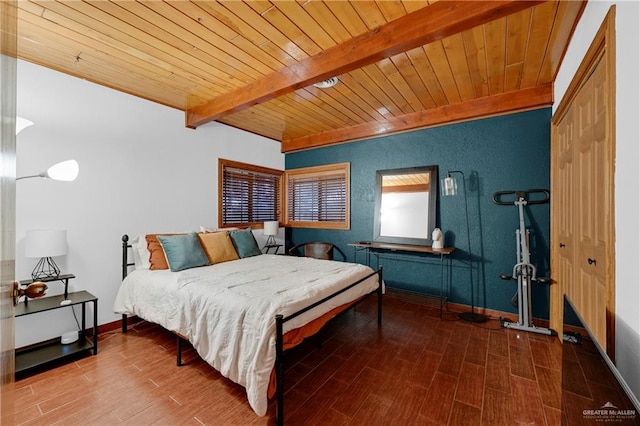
<point x="43" y="353"/>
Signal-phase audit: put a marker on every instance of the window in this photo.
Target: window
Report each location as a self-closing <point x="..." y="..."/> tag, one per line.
<point x="248" y="195"/>
<point x="318" y="197"/>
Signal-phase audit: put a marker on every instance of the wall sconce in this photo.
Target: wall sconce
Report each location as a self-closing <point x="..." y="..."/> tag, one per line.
<point x="270" y="230"/>
<point x="450" y="187"/>
<point x="45" y="244"/>
<point x="66" y="171"/>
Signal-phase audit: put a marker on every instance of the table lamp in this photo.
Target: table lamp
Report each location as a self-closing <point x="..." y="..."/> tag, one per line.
<point x="271" y="228"/>
<point x="45" y="244"/>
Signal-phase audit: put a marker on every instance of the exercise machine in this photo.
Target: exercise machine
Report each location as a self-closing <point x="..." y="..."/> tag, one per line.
<point x="524" y="272"/>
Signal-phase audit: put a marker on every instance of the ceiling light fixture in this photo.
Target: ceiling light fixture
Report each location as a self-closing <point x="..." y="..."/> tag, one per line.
<point x="325" y="84"/>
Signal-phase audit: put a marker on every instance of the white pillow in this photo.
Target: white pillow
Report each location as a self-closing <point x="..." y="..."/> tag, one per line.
<point x="140" y="252"/>
<point x="204" y="229"/>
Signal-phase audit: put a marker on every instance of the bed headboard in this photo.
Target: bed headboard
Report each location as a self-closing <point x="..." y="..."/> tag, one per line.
<point x="125" y="256"/>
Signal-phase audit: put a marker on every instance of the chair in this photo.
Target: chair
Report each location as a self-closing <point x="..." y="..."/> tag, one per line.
<point x="315" y="249"/>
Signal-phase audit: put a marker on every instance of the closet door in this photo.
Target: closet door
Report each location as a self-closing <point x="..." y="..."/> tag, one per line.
<point x="563" y="214"/>
<point x="590" y="296"/>
<point x="583" y="151"/>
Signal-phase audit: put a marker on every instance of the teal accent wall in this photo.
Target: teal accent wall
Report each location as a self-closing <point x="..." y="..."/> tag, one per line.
<point x="510" y="152"/>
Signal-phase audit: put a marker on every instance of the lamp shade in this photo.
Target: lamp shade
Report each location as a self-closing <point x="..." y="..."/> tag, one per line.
<point x="65" y="171"/>
<point x="46" y="243"/>
<point x="271" y="227"/>
<point x="22" y="123"/>
<point x="449" y="186"/>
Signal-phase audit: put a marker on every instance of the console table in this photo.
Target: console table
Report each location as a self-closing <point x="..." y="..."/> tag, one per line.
<point x="48" y="351"/>
<point x="375" y="248"/>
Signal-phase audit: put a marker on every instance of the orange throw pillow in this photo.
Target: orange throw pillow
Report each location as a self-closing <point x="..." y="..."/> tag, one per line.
<point x="157" y="258"/>
<point x="217" y="246"/>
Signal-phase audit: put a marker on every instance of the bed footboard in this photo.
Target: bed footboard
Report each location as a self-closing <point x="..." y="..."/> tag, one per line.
<point x="280" y="320"/>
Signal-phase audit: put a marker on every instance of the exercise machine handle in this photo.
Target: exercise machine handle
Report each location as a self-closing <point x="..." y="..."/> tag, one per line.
<point x="499" y="197"/>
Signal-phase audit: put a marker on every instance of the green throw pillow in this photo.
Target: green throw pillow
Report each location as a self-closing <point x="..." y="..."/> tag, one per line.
<point x="183" y="251"/>
<point x="245" y="243"/>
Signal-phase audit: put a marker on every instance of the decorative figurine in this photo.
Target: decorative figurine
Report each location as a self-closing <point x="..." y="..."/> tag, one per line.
<point x="437" y="238"/>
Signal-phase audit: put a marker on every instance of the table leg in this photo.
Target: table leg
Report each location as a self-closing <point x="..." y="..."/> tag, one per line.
<point x="83" y="328"/>
<point x="441" y="283"/>
<point x="95" y="327"/>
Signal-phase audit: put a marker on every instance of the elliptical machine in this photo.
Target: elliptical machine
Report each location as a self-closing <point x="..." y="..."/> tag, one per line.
<point x="524" y="272"/>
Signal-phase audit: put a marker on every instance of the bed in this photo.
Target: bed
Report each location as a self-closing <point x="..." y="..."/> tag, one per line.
<point x="241" y="315"/>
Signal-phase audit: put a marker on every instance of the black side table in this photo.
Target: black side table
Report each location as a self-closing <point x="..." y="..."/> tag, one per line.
<point x="48" y="351"/>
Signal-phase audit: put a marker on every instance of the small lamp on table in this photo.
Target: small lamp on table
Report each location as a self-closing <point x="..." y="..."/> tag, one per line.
<point x="46" y="244"/>
<point x="270" y="230"/>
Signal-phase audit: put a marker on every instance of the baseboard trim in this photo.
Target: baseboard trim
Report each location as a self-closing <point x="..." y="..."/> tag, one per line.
<point x="117" y="325"/>
<point x="434" y="301"/>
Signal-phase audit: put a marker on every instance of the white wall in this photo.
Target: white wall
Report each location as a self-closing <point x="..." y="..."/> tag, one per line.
<point x="627" y="178"/>
<point x="141" y="171"/>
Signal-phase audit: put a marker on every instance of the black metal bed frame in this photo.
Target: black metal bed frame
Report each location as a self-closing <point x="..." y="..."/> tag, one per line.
<point x="279" y="319"/>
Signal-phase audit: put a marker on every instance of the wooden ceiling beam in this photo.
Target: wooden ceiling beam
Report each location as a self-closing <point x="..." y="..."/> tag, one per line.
<point x="520" y="100"/>
<point x="418" y="28"/>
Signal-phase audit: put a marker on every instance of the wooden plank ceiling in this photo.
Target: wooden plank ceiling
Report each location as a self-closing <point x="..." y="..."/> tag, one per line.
<point x="410" y="182"/>
<point x="400" y="65"/>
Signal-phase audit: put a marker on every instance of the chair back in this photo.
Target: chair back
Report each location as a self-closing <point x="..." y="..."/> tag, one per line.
<point x="319" y="250"/>
<point x="314" y="249"/>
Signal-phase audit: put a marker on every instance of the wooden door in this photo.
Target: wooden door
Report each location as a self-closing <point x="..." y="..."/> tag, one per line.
<point x="8" y="65"/>
<point x="563" y="213"/>
<point x="582" y="192"/>
<point x="591" y="157"/>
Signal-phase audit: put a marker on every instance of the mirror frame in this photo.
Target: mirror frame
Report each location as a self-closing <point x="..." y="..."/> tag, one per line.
<point x="433" y="197"/>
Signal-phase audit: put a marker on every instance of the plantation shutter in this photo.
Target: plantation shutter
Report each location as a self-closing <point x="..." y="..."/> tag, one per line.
<point x="318" y="197"/>
<point x="249" y="196"/>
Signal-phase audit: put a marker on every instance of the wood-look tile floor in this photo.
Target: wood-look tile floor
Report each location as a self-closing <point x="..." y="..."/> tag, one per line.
<point x="416" y="369"/>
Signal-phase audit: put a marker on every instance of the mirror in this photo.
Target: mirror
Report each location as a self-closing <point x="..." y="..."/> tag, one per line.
<point x="406" y="205"/>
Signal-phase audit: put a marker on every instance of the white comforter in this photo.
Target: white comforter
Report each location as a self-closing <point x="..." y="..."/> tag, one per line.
<point x="227" y="310"/>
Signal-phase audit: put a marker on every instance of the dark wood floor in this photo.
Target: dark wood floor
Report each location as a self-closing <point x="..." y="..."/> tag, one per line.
<point x="417" y="369"/>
